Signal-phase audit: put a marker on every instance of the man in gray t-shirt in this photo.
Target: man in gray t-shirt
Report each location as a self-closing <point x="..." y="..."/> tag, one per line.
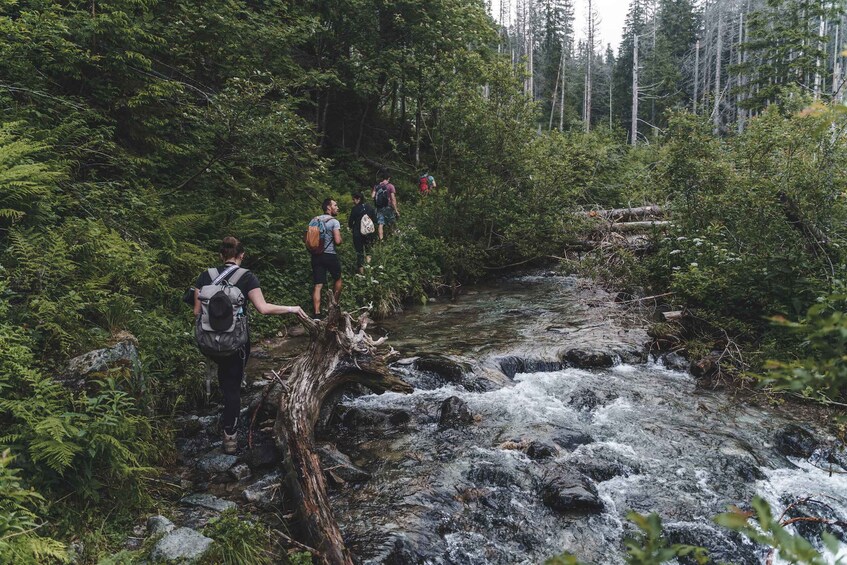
<point x="328" y="260"/>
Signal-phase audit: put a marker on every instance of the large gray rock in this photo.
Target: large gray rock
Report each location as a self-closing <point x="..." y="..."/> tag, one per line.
<point x="216" y="463"/>
<point x="570" y="492"/>
<point x="794" y="441"/>
<point x="121" y="358"/>
<point x="208" y="501"/>
<point x="182" y="545"/>
<point x="454" y="413"/>
<point x="589" y="359"/>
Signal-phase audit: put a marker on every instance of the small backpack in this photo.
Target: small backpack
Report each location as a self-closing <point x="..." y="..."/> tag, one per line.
<point x="381" y="196"/>
<point x="423" y="183"/>
<point x="366" y="227"/>
<point x="221" y="327"/>
<point x="315" y="235"/>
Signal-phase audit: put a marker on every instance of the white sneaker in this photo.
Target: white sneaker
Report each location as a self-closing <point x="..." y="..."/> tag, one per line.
<point x="230" y="443"/>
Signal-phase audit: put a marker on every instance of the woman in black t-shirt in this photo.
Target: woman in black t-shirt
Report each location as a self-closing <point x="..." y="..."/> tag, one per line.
<point x="231" y="369"/>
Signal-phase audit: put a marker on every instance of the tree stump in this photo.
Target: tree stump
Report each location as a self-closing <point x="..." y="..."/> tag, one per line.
<point x="340" y="352"/>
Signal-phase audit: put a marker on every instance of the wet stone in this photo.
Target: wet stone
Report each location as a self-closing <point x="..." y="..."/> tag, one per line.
<point x="570" y="440"/>
<point x="571" y="492"/>
<point x="585" y="400"/>
<point x="183" y="545"/>
<point x="341" y="465"/>
<point x="157" y="525"/>
<point x="208" y="501"/>
<point x="216" y="463"/>
<point x="602" y="471"/>
<point x="490" y="475"/>
<point x="589" y="359"/>
<point x="513" y="365"/>
<point x="264" y="492"/>
<point x="538" y="450"/>
<point x="675" y="362"/>
<point x="264" y="452"/>
<point x="240" y="472"/>
<point x="724" y="546"/>
<point x="454" y="413"/>
<point x="813" y="529"/>
<point x="794" y="441"/>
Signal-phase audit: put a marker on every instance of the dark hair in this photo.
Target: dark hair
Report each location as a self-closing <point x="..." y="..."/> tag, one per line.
<point x="231" y="247"/>
<point x="384" y="174"/>
<point x="358" y="196"/>
<point x="326" y="204"/>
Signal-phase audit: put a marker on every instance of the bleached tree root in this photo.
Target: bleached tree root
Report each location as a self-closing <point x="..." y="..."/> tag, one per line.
<point x="340" y="352"/>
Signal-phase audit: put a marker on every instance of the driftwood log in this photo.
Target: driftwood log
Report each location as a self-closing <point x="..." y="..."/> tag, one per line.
<point x="340" y="352"/>
<point x="628" y="214"/>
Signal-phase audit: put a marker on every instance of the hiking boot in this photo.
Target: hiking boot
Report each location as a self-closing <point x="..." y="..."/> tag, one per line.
<point x="230" y="443"/>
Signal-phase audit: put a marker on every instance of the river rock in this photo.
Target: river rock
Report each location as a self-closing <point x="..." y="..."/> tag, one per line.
<point x="589" y="359"/>
<point x="513" y="365"/>
<point x="489" y="474"/>
<point x="569" y="492"/>
<point x="157" y="525"/>
<point x="448" y="369"/>
<point x="341" y="465"/>
<point x="570" y="439"/>
<point x="812" y="530"/>
<point x="264" y="452"/>
<point x="707" y="368"/>
<point x="537" y="450"/>
<point x="454" y="413"/>
<point x="794" y="441"/>
<point x="830" y="457"/>
<point x="182" y="545"/>
<point x="585" y="400"/>
<point x="265" y="491"/>
<point x="208" y="501"/>
<point x="675" y="362"/>
<point x="240" y="472"/>
<point x="724" y="546"/>
<point x="121" y="358"/>
<point x="214" y="463"/>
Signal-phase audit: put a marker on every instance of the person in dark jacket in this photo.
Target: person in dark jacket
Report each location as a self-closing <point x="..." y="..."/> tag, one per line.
<point x="360" y="240"/>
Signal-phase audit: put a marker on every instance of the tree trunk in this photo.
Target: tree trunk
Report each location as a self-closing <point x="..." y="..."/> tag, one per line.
<point x="634" y="134"/>
<point x="340" y="352"/>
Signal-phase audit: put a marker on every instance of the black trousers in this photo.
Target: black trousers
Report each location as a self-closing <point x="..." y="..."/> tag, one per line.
<point x="230" y="375"/>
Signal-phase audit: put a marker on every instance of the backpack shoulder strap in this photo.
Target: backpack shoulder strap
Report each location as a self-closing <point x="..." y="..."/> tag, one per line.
<point x="225" y="274"/>
<point x="213" y="273"/>
<point x="236" y="276"/>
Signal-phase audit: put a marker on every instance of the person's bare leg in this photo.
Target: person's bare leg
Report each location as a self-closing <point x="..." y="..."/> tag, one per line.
<point x="336" y="289"/>
<point x="316" y="298"/>
<point x="379" y="229"/>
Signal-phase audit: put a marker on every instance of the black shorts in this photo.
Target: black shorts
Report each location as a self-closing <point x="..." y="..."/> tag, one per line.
<point x="323" y="263"/>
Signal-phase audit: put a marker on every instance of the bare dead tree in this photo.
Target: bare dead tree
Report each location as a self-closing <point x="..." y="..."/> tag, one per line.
<point x="340" y="352"/>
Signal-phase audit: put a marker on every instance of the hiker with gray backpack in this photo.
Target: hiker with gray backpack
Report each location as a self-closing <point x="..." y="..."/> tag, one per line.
<point x="362" y="223"/>
<point x="221" y="299"/>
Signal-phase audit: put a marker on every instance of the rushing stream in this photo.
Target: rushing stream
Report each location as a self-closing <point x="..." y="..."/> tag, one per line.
<point x="555" y="456"/>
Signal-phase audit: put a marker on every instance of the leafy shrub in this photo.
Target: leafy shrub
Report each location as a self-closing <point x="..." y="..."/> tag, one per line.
<point x="237" y="541"/>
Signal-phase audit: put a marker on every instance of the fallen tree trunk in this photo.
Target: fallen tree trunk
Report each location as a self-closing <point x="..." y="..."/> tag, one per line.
<point x="340" y="352"/>
<point x="625" y="227"/>
<point x="627" y="214"/>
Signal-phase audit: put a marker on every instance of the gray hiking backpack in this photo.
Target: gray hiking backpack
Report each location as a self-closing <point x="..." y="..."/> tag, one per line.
<point x="221" y="327"/>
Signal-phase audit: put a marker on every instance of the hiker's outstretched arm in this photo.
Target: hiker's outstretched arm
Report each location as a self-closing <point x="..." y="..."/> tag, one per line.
<point x="264" y="307"/>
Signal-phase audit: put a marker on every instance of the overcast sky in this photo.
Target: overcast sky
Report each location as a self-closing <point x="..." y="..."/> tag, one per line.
<point x="610" y="14"/>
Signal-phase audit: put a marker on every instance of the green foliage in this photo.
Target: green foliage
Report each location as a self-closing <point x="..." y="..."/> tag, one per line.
<point x="651" y="548"/>
<point x="766" y="530"/>
<point x="300" y="558"/>
<point x="821" y="370"/>
<point x="237" y="541"/>
<point x="19" y="522"/>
